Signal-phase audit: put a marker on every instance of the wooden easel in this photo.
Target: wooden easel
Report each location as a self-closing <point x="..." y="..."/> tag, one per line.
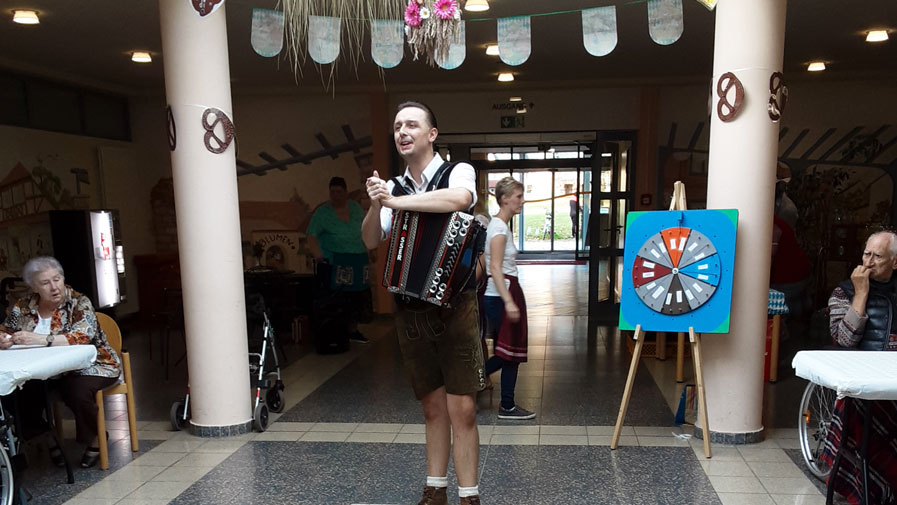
<point x="678" y="203"/>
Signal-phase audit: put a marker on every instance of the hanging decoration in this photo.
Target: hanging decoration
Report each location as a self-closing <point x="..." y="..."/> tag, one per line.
<point x="323" y="38"/>
<point x="599" y="30"/>
<point x="514" y="39"/>
<point x="665" y="23"/>
<point x="214" y="143"/>
<point x="778" y="96"/>
<point x="386" y="42"/>
<point x="206" y="7"/>
<point x="431" y="26"/>
<point x="267" y="32"/>
<point x="725" y="109"/>
<point x="457" y="51"/>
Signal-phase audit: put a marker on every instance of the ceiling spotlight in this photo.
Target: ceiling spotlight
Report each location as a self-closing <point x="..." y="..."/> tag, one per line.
<point x="521" y="110"/>
<point x="515" y="99"/>
<point x="492" y="49"/>
<point x="816" y="66"/>
<point x="505" y="77"/>
<point x="476" y="6"/>
<point x="877" y="36"/>
<point x="141" y="57"/>
<point x="25" y="17"/>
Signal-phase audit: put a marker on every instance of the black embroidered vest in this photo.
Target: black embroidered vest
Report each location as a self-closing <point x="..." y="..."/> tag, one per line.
<point x="880" y="309"/>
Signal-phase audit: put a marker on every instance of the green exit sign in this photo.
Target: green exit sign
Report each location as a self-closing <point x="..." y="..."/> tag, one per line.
<point x="515" y="121"/>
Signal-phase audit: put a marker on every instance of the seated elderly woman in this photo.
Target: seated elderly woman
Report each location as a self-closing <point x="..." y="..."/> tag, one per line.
<point x="54" y="315"/>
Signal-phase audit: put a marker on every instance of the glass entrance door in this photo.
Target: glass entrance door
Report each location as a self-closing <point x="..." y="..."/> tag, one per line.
<point x="609" y="202"/>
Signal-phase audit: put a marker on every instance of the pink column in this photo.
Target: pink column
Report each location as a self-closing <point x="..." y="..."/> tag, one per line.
<point x="749" y="42"/>
<point x="197" y="78"/>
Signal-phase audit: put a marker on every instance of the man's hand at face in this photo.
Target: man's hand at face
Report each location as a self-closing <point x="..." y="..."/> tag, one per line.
<point x="860" y="279"/>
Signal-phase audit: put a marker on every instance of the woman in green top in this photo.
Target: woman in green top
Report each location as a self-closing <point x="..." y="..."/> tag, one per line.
<point x="334" y="236"/>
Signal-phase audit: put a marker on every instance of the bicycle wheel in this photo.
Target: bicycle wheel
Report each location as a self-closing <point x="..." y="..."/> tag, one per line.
<point x="6" y="479"/>
<point x="815" y="417"/>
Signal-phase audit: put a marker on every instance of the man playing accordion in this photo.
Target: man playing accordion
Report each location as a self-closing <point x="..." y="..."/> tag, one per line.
<point x="440" y="345"/>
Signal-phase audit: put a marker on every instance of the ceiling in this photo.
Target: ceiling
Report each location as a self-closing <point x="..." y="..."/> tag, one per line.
<point x="89" y="43"/>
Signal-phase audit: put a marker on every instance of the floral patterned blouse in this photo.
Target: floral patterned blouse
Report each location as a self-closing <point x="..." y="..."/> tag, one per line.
<point x="75" y="320"/>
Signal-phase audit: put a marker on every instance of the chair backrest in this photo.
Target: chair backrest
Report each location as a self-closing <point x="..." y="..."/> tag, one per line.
<point x="110" y="328"/>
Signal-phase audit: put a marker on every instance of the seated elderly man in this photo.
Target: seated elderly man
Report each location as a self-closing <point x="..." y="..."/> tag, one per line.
<point x="862" y="315"/>
<point x="53" y="315"/>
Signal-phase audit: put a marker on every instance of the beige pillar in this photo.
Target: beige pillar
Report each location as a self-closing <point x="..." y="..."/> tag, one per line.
<point x="749" y="42"/>
<point x="197" y="77"/>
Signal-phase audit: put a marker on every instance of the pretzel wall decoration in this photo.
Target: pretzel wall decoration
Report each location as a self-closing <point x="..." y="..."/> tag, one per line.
<point x="204" y="7"/>
<point x="725" y="110"/>
<point x="778" y="96"/>
<point x="172" y="130"/>
<point x="220" y="145"/>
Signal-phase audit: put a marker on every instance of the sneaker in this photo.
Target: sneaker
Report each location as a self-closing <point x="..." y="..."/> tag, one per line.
<point x="515" y="413"/>
<point x="470" y="500"/>
<point x="358" y="337"/>
<point x="434" y="496"/>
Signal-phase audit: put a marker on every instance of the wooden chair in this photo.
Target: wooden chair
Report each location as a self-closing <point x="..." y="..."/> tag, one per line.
<point x="113" y="336"/>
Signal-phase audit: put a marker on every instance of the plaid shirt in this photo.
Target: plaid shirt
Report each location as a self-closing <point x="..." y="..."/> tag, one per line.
<point x="75" y="320"/>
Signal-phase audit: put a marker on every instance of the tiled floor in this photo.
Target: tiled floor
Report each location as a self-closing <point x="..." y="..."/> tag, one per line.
<point x="351" y="433"/>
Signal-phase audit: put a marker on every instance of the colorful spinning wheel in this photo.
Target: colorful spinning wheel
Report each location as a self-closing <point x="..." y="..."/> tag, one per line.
<point x="677" y="270"/>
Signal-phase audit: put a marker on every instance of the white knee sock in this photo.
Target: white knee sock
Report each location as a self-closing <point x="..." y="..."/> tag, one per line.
<point x="437" y="481"/>
<point x="468" y="491"/>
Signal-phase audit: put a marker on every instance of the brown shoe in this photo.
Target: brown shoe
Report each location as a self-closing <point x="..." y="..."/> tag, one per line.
<point x="470" y="500"/>
<point x="435" y="496"/>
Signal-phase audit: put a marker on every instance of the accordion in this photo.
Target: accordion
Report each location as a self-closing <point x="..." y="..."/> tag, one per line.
<point x="432" y="257"/>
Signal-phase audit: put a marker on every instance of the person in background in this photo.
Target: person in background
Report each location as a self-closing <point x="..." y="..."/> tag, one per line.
<point x="862" y="316"/>
<point x="334" y="237"/>
<point x="503" y="299"/>
<point x="56" y="315"/>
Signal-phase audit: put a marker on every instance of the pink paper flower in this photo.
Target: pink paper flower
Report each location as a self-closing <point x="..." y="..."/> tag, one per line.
<point x="412" y="14"/>
<point x="445" y="9"/>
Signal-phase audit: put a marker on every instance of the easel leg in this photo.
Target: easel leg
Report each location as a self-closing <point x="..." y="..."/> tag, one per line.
<point x="680" y="358"/>
<point x="636" y="354"/>
<point x="661" y="352"/>
<point x="774" y="348"/>
<point x="699" y="381"/>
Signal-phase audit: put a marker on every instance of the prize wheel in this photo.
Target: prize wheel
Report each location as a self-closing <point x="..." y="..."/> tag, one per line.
<point x="676" y="271"/>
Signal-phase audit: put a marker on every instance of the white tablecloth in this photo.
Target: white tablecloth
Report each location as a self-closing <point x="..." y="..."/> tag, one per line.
<point x="870" y="375"/>
<point x="19" y="365"/>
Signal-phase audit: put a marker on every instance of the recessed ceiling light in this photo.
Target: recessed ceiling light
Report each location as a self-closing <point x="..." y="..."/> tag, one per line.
<point x="492" y="49"/>
<point x="816" y="66"/>
<point x="25" y="17"/>
<point x="521" y="110"/>
<point x="877" y="36"/>
<point x="476" y="5"/>
<point x="141" y="57"/>
<point x="505" y="77"/>
<point x="515" y="99"/>
<point x="606" y="155"/>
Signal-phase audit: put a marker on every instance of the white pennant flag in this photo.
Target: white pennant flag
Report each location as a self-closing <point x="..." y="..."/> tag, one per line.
<point x="514" y="39"/>
<point x="387" y="40"/>
<point x="267" y="32"/>
<point x="457" y="51"/>
<point x="323" y="38"/>
<point x="665" y="21"/>
<point x="599" y="30"/>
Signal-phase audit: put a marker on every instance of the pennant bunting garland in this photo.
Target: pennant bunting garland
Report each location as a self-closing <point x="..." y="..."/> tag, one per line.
<point x="599" y="30"/>
<point x="665" y="21"/>
<point x="267" y="32"/>
<point x="514" y="39"/>
<point x="323" y="38"/>
<point x="457" y="51"/>
<point x="387" y="38"/>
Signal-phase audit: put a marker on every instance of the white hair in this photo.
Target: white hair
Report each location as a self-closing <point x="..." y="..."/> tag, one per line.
<point x="39" y="265"/>
<point x="892" y="240"/>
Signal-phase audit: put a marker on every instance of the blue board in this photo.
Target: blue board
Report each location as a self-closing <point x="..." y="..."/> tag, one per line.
<point x="677" y="270"/>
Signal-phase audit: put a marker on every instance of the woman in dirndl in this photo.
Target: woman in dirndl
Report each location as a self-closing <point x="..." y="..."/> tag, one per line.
<point x="503" y="300"/>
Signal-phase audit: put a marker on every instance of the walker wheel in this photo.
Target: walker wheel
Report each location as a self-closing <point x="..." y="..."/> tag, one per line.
<point x="274" y="399"/>
<point x="177" y="416"/>
<point x="260" y="417"/>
